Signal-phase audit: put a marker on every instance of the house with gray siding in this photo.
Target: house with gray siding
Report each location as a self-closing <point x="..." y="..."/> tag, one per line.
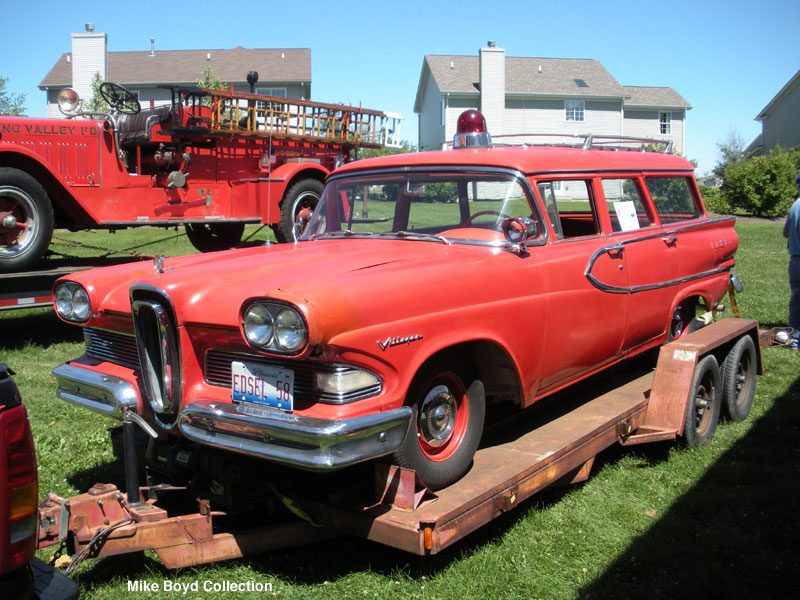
<point x="283" y="72"/>
<point x="780" y="120"/>
<point x="541" y="96"/>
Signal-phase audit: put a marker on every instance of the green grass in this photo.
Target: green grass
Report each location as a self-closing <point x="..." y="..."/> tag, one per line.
<point x="653" y="521"/>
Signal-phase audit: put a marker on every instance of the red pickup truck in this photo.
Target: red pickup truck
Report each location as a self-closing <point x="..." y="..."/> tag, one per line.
<point x="22" y="576"/>
<point x="427" y="290"/>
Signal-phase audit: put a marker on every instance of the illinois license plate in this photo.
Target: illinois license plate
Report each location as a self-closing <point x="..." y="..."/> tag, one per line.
<point x="262" y="384"/>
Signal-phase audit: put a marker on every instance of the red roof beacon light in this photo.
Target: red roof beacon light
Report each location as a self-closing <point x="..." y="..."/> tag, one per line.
<point x="471" y="131"/>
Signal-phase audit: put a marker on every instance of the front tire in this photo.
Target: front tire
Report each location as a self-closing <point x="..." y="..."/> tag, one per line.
<point x="739" y="379"/>
<point x="26" y="220"/>
<point x="702" y="409"/>
<point x="212" y="237"/>
<point x="299" y="202"/>
<point x="448" y="411"/>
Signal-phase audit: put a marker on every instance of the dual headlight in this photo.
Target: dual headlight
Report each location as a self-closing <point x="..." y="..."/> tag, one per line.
<point x="274" y="327"/>
<point x="72" y="302"/>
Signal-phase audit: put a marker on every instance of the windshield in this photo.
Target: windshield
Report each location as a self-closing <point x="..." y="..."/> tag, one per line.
<point x="428" y="205"/>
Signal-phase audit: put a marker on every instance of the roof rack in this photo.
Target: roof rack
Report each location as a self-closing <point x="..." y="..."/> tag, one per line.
<point x="587" y="141"/>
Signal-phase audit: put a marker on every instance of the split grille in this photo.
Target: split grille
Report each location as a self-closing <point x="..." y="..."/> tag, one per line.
<point x="113" y="347"/>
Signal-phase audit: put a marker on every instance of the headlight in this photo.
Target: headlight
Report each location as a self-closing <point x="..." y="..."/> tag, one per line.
<point x="72" y="302"/>
<point x="274" y="327"/>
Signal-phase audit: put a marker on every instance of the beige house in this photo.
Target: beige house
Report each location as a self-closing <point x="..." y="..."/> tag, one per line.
<point x="283" y="72"/>
<point x="542" y="96"/>
<point x="780" y="120"/>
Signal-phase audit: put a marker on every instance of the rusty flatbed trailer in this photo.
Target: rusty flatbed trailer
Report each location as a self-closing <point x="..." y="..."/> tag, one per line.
<point x="539" y="449"/>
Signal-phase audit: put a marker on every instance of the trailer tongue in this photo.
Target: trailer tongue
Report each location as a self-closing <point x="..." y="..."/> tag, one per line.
<point x="632" y="406"/>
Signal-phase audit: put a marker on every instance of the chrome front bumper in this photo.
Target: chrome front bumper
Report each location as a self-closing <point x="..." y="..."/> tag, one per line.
<point x="103" y="393"/>
<point x="305" y="442"/>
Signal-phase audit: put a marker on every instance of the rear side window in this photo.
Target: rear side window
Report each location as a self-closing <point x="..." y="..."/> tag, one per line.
<point x="673" y="198"/>
<point x="626" y="209"/>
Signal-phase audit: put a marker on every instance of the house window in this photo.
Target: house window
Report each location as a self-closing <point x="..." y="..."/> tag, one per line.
<point x="443" y="110"/>
<point x="665" y="123"/>
<point x="574" y="110"/>
<point x="274" y="92"/>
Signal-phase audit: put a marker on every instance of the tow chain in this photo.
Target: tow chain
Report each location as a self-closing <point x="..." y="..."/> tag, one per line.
<point x="60" y="241"/>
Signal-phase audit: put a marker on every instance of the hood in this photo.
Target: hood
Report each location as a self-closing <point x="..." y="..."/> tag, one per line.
<point x="339" y="280"/>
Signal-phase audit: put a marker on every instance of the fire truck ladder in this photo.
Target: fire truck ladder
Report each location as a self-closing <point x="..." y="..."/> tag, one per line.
<point x="243" y="114"/>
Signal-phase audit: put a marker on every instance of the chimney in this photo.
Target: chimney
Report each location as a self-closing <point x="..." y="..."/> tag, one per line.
<point x="152" y="46"/>
<point x="492" y="73"/>
<point x="88" y="57"/>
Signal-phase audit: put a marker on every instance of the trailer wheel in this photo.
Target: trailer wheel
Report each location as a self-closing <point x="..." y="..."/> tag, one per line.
<point x="447" y="424"/>
<point x="211" y="237"/>
<point x="26" y="220"/>
<point x="702" y="409"/>
<point x="299" y="202"/>
<point x="739" y="379"/>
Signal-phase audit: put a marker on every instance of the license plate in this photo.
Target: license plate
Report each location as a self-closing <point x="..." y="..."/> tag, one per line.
<point x="263" y="385"/>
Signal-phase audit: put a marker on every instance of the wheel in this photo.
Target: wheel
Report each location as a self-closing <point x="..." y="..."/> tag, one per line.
<point x="26" y="220"/>
<point x="448" y="410"/>
<point x="120" y="98"/>
<point x="299" y="202"/>
<point x="702" y="409"/>
<point x="739" y="379"/>
<point x="211" y="237"/>
<point x="683" y="321"/>
<point x="483" y="213"/>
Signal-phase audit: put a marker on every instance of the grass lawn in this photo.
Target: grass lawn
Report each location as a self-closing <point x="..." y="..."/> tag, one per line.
<point x="720" y="521"/>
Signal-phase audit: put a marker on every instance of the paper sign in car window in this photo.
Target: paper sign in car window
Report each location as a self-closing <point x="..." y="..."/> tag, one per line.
<point x="626" y="214"/>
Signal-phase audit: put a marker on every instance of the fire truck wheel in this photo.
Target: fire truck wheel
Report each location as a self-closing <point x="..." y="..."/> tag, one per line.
<point x="739" y="379"/>
<point x="446" y="426"/>
<point x="702" y="409"/>
<point x="26" y="220"/>
<point x="211" y="237"/>
<point x="298" y="202"/>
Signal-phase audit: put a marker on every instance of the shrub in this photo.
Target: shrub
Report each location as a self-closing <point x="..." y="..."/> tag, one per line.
<point x="714" y="200"/>
<point x="762" y="185"/>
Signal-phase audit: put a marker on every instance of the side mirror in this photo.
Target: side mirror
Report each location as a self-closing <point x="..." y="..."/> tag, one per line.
<point x="519" y="230"/>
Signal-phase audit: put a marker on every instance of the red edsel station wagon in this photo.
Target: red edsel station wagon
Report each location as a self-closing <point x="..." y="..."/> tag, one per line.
<point x="424" y="289"/>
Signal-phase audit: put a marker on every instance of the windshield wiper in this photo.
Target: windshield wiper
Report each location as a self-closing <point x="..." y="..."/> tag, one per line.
<point x="414" y="235"/>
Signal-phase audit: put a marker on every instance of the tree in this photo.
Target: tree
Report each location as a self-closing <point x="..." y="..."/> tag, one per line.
<point x="10" y="104"/>
<point x="731" y="151"/>
<point x="210" y="81"/>
<point x="96" y="103"/>
<point x="405" y="148"/>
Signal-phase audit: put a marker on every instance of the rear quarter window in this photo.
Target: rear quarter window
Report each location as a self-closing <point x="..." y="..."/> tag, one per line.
<point x="673" y="198"/>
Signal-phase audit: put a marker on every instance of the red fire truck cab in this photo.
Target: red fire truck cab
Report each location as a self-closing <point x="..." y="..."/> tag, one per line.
<point x="212" y="161"/>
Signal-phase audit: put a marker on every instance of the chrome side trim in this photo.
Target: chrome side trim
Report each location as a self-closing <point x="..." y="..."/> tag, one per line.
<point x="105" y="394"/>
<point x="304" y="442"/>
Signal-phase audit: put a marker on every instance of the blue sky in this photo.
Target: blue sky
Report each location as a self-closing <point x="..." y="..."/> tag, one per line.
<point x="728" y="59"/>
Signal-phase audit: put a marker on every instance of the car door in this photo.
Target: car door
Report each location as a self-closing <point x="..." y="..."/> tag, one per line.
<point x="585" y="321"/>
<point x="651" y="258"/>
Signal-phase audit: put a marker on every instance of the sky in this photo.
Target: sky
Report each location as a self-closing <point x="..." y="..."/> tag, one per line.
<point x="728" y="59"/>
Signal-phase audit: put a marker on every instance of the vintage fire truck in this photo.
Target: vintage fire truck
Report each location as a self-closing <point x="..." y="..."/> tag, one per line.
<point x="212" y="161"/>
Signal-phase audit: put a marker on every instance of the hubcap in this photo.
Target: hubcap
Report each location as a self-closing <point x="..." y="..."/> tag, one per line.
<point x="437" y="416"/>
<point x="18" y="228"/>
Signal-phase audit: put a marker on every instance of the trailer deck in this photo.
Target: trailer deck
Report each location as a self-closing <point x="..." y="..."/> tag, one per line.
<point x="554" y="443"/>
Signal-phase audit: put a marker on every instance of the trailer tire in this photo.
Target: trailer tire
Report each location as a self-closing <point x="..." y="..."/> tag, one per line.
<point x="303" y="195"/>
<point x="212" y="237"/>
<point x="26" y="220"/>
<point x="703" y="406"/>
<point x="447" y="423"/>
<point x="739" y="379"/>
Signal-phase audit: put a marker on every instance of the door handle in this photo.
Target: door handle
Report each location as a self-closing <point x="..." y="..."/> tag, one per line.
<point x="615" y="251"/>
<point x="670" y="240"/>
